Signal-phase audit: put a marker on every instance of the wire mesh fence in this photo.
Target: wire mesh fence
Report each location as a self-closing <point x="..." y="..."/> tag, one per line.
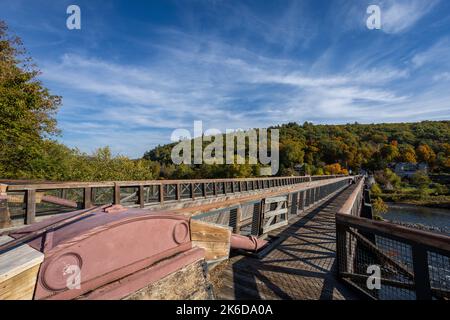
<point x="390" y="262"/>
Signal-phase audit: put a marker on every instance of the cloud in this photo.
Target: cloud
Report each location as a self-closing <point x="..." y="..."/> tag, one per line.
<point x="132" y="105"/>
<point x="400" y="15"/>
<point x="439" y="53"/>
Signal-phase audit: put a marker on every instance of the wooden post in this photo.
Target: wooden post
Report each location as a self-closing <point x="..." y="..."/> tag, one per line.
<point x="421" y="273"/>
<point x="178" y="186"/>
<point x="238" y="220"/>
<point x="30" y="206"/>
<point x="141" y="197"/>
<point x="161" y="193"/>
<point x="87" y="198"/>
<point x="192" y="192"/>
<point x="215" y="188"/>
<point x="116" y="197"/>
<point x="341" y="249"/>
<point x="255" y="219"/>
<point x="5" y="218"/>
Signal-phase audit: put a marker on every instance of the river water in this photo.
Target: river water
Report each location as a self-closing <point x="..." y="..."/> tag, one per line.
<point x="431" y="217"/>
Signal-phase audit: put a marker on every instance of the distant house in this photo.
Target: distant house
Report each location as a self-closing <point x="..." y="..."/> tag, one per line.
<point x="300" y="169"/>
<point x="407" y="169"/>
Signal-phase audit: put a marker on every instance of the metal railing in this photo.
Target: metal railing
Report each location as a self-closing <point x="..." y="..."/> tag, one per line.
<point x="24" y="201"/>
<point x="270" y="211"/>
<point x="406" y="263"/>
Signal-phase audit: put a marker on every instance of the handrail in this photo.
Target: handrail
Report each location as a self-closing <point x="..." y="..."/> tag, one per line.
<point x="21" y="186"/>
<point x="431" y="239"/>
<point x="160" y="191"/>
<point x="350" y="202"/>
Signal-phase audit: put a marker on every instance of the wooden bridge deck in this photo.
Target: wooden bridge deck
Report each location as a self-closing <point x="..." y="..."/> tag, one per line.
<point x="301" y="267"/>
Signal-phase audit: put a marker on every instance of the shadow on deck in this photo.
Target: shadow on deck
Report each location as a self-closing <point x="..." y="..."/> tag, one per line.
<point x="302" y="266"/>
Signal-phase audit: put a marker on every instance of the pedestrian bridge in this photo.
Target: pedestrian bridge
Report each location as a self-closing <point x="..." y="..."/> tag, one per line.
<point x="260" y="238"/>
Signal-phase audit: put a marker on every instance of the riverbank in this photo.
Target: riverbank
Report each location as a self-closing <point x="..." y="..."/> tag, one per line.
<point x="441" y="202"/>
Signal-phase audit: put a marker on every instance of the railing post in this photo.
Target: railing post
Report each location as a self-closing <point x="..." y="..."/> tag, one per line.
<point x="191" y="187"/>
<point x="116" y="197"/>
<point x="141" y="198"/>
<point x="161" y="193"/>
<point x="258" y="212"/>
<point x="87" y="197"/>
<point x="421" y="272"/>
<point x="30" y="206"/>
<point x="237" y="227"/>
<point x="5" y="218"/>
<point x="341" y="248"/>
<point x="178" y="186"/>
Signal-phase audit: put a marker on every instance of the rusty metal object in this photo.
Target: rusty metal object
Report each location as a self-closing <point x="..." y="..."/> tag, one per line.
<point x="60" y="201"/>
<point x="250" y="243"/>
<point x="107" y="244"/>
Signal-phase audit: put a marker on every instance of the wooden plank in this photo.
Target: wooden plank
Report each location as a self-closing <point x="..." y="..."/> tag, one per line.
<point x="17" y="260"/>
<point x="203" y="231"/>
<point x="276" y="199"/>
<point x="275" y="226"/>
<point x="215" y="239"/>
<point x="214" y="250"/>
<point x="21" y="286"/>
<point x="275" y="213"/>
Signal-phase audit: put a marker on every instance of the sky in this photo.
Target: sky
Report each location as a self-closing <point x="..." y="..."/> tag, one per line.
<point x="138" y="70"/>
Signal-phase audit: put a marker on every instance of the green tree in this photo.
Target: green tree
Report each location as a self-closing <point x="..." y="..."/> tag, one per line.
<point x="420" y="179"/>
<point x="376" y="190"/>
<point x="27" y="109"/>
<point x="379" y="206"/>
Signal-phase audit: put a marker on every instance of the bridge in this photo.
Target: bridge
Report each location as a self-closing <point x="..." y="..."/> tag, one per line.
<point x="260" y="238"/>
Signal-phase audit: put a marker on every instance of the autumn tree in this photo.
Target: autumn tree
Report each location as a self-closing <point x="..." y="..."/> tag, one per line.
<point x="407" y="154"/>
<point x="425" y="154"/>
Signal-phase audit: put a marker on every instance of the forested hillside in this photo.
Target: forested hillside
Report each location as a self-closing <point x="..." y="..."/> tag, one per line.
<point x="329" y="149"/>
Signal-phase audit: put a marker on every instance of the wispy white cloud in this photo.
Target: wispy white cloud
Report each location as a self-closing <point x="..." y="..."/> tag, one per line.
<point x="197" y="75"/>
<point x="439" y="53"/>
<point x="400" y="15"/>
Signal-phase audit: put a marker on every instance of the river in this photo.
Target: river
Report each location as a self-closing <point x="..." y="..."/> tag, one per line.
<point x="431" y="217"/>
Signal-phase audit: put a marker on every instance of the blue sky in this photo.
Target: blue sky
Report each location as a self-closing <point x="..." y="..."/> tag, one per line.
<point x="137" y="70"/>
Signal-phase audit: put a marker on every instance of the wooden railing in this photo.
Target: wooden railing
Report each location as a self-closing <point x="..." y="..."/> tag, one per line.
<point x="22" y="197"/>
<point x="259" y="214"/>
<point x="413" y="264"/>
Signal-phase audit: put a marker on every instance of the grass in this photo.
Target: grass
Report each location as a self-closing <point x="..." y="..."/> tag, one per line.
<point x="425" y="197"/>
